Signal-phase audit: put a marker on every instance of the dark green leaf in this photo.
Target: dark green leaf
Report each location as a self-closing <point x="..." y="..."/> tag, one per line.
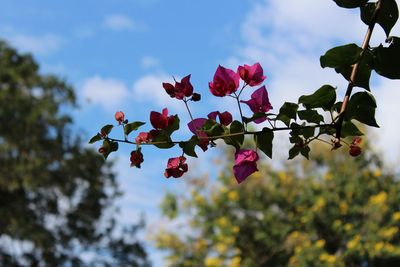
<point x="324" y="98"/>
<point x="106" y="129"/>
<point x="294" y="151"/>
<point x="362" y="107"/>
<point x="386" y="59"/>
<point x="165" y="139"/>
<point x="95" y="138"/>
<point x="306" y="132"/>
<point x="237" y="140"/>
<point x="264" y="141"/>
<point x="287" y="112"/>
<point x="350" y="129"/>
<point x="363" y="71"/>
<point x="255" y="116"/>
<point x="189" y="146"/>
<point x="340" y="56"/>
<point x="350" y="3"/>
<point x="305" y="151"/>
<point x="109" y="146"/>
<point x="173" y="126"/>
<point x="387" y="17"/>
<point x="311" y="116"/>
<point x="133" y="126"/>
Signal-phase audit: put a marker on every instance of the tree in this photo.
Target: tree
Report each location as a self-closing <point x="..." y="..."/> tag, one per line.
<point x="329" y="211"/>
<point x="55" y="195"/>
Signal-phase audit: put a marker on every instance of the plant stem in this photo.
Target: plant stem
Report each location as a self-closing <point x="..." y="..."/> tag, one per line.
<point x="354" y="70"/>
<point x="187" y="107"/>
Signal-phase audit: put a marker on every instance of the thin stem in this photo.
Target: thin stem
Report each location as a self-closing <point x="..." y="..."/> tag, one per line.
<point x="240" y="109"/>
<point x="187" y="107"/>
<point x="354" y="70"/>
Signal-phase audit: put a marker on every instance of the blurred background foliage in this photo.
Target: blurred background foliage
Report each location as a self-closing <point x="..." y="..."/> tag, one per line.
<point x="332" y="210"/>
<point x="56" y="196"/>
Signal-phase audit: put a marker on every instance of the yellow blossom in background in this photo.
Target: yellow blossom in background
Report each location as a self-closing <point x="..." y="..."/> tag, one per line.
<point x="320" y="243"/>
<point x="327" y="258"/>
<point x="319" y="204"/>
<point x="223" y="222"/>
<point x="379" y="246"/>
<point x="233" y="196"/>
<point x="221" y="248"/>
<point x="396" y="216"/>
<point x="343" y="208"/>
<point x="348" y="227"/>
<point x="235" y="262"/>
<point x="235" y="229"/>
<point x="354" y="242"/>
<point x="377" y="173"/>
<point x="328" y="176"/>
<point x="388" y="232"/>
<point x="213" y="262"/>
<point x="378" y="199"/>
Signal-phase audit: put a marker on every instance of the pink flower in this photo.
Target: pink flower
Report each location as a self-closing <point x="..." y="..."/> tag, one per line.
<point x="225" y="118"/>
<point x="259" y="102"/>
<point x="355" y="149"/>
<point x="136" y="158"/>
<point x="245" y="164"/>
<point x="161" y="121"/>
<point x="176" y="167"/>
<point x="143" y="137"/>
<point x="181" y="89"/>
<point x="195" y="126"/>
<point x="252" y="75"/>
<point x="225" y="82"/>
<point x="119" y="117"/>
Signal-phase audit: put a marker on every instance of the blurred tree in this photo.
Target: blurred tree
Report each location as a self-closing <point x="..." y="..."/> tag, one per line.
<point x="55" y="195"/>
<point x="329" y="211"/>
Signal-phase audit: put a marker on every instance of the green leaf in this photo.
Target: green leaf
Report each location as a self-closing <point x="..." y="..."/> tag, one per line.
<point x="105" y="130"/>
<point x="306" y="132"/>
<point x="189" y="146"/>
<point x="263" y="141"/>
<point x="311" y="116"/>
<point x="324" y="98"/>
<point x="363" y="72"/>
<point x="294" y="151"/>
<point x="305" y="151"/>
<point x="287" y="112"/>
<point x="165" y="138"/>
<point x="362" y="107"/>
<point x="255" y="116"/>
<point x="173" y="126"/>
<point x="95" y="138"/>
<point x="109" y="146"/>
<point x="213" y="128"/>
<point x="340" y="56"/>
<point x="237" y="140"/>
<point x="350" y="129"/>
<point x="387" y="17"/>
<point x="386" y="59"/>
<point x="350" y="3"/>
<point x="133" y="126"/>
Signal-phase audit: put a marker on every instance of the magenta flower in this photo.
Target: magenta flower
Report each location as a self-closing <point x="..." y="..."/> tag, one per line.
<point x="225" y="82"/>
<point x="225" y="118"/>
<point x="176" y="167"/>
<point x="245" y="164"/>
<point x="143" y="137"/>
<point x="252" y="75"/>
<point x="161" y="120"/>
<point x="136" y="158"/>
<point x="181" y="89"/>
<point x="259" y="102"/>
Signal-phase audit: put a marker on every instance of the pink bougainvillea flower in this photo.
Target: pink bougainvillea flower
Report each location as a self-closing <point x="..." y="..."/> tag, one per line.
<point x="181" y="89"/>
<point x="195" y="126"/>
<point x="119" y="117"/>
<point x="136" y="158"/>
<point x="176" y="167"/>
<point x="259" y="102"/>
<point x="225" y="82"/>
<point x="225" y="118"/>
<point x="355" y="149"/>
<point x="245" y="164"/>
<point x="161" y="120"/>
<point x="252" y="75"/>
<point x="143" y="137"/>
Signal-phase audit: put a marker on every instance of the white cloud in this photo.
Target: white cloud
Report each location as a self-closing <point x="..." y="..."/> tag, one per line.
<point x="107" y="92"/>
<point x="149" y="62"/>
<point x="40" y="45"/>
<point x="149" y="89"/>
<point x="119" y="22"/>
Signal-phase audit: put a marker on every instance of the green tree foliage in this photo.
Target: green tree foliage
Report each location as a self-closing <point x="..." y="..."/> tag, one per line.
<point x="329" y="211"/>
<point x="55" y="195"/>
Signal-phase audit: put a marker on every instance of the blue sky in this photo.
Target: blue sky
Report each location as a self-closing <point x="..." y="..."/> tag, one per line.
<point x="117" y="53"/>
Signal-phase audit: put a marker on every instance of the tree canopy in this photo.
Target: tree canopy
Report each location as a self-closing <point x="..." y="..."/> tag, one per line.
<point x="56" y="196"/>
<point x="328" y="211"/>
